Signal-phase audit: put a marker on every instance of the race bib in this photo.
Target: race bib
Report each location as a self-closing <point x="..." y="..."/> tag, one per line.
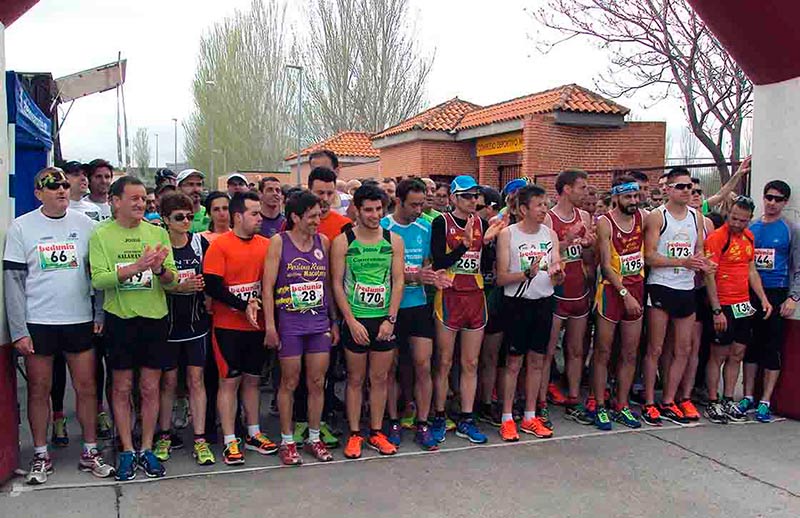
<point x="184" y="275"/>
<point x="140" y="281"/>
<point x="743" y="309"/>
<point x="411" y="269"/>
<point x="631" y="264"/>
<point x="469" y="263"/>
<point x="306" y="295"/>
<point x="371" y="295"/>
<point x="765" y="258"/>
<point x="679" y="249"/>
<point x="528" y="258"/>
<point x="573" y="253"/>
<point x="57" y="256"/>
<point x="246" y="292"/>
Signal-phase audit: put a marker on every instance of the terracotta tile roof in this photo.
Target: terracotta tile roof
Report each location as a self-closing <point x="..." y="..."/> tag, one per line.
<point x="345" y="143"/>
<point x="571" y="98"/>
<point x="443" y="117"/>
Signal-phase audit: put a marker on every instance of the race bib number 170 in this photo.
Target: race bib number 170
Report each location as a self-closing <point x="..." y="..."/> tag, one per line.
<point x="371" y="295"/>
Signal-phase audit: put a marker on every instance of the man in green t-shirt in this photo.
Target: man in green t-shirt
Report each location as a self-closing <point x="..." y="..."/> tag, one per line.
<point x="428" y="212"/>
<point x="190" y="183"/>
<point x="131" y="262"/>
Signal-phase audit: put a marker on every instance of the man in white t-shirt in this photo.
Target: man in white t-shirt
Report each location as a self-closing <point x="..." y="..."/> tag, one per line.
<point x="78" y="189"/>
<point x="100" y="174"/>
<point x="49" y="307"/>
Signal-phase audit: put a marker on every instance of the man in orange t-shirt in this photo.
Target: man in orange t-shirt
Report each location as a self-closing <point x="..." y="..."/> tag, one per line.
<point x="233" y="268"/>
<point x="731" y="249"/>
<point x="322" y="182"/>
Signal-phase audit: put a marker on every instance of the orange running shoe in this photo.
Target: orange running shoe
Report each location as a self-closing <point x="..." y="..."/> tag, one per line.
<point x="380" y="443"/>
<point x="651" y="415"/>
<point x="689" y="410"/>
<point x="555" y="396"/>
<point x="233" y="456"/>
<point x="591" y="404"/>
<point x="353" y="448"/>
<point x="260" y="443"/>
<point x="508" y="431"/>
<point x="536" y="427"/>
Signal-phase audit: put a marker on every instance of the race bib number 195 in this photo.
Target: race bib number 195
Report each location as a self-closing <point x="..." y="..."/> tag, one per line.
<point x="631" y="264"/>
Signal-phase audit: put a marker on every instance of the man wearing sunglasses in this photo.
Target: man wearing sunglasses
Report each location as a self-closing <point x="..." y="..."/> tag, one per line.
<point x="777" y="259"/>
<point x="47" y="297"/>
<point x="674" y="252"/>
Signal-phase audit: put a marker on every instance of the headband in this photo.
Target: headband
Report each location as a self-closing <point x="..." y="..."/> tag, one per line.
<point x="624" y="188"/>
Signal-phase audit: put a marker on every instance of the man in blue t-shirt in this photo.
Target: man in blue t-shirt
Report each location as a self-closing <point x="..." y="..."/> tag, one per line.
<point x="777" y="259"/>
<point x="415" y="329"/>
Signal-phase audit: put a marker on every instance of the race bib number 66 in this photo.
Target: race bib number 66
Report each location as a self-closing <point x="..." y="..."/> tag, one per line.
<point x="57" y="256"/>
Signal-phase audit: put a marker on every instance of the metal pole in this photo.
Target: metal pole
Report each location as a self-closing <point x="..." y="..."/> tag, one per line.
<point x="156" y="150"/>
<point x="175" y="122"/>
<point x="299" y="123"/>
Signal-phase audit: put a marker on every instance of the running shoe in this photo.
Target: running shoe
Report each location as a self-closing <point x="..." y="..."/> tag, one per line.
<point x="202" y="453"/>
<point x="380" y="443"/>
<point x="467" y="429"/>
<point x="764" y="414"/>
<point x="151" y="466"/>
<point x="626" y="417"/>
<point x="126" y="466"/>
<point x="301" y="432"/>
<point x="327" y="436"/>
<point x="41" y="466"/>
<point x="601" y="419"/>
<point x="261" y="444"/>
<point x="232" y="455"/>
<point x="92" y="462"/>
<point x="578" y="414"/>
<point x="177" y="442"/>
<point x="733" y="413"/>
<point x="289" y="455"/>
<point x="689" y="410"/>
<point x="637" y="397"/>
<point x="424" y="437"/>
<point x="180" y="413"/>
<point x="555" y="396"/>
<point x="508" y="431"/>
<point x="671" y="412"/>
<point x="352" y="449"/>
<point x="450" y="424"/>
<point x="543" y="415"/>
<point x="395" y="434"/>
<point x="484" y="413"/>
<point x="536" y="428"/>
<point x="716" y="413"/>
<point x="651" y="415"/>
<point x="746" y="405"/>
<point x="163" y="447"/>
<point x="60" y="437"/>
<point x="319" y="451"/>
<point x="591" y="406"/>
<point x="105" y="429"/>
<point x="409" y="419"/>
<point x="439" y="429"/>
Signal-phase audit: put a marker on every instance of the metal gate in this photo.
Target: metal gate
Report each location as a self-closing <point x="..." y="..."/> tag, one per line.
<point x="508" y="173"/>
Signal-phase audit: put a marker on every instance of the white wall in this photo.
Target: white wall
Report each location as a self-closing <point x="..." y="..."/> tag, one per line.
<point x="5" y="202"/>
<point x="776" y="142"/>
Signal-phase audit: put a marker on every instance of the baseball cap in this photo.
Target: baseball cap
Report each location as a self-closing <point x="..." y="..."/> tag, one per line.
<point x="73" y="167"/>
<point x="514" y="185"/>
<point x="164" y="173"/>
<point x="186" y="173"/>
<point x="463" y="183"/>
<point x="237" y="176"/>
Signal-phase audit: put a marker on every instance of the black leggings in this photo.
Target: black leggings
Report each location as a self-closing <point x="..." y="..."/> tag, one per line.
<point x="765" y="350"/>
<point x="59" y="386"/>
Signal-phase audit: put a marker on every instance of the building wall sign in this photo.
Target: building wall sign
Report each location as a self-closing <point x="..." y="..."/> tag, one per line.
<point x="499" y="144"/>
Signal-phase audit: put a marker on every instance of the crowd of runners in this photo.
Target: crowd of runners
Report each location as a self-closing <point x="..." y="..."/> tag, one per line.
<point x="440" y="305"/>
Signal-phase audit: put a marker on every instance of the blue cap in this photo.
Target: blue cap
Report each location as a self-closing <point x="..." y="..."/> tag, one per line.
<point x="463" y="183"/>
<point x="514" y="185"/>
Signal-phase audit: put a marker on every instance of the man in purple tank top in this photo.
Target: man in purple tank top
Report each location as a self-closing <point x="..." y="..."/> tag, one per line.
<point x="296" y="291"/>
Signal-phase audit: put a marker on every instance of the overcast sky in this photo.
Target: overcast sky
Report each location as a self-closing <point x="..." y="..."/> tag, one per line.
<point x="484" y="54"/>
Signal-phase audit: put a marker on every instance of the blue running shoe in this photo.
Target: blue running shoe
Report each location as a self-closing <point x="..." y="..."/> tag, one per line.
<point x="625" y="417"/>
<point x="126" y="466"/>
<point x="601" y="420"/>
<point x="763" y="413"/>
<point x="439" y="429"/>
<point x="425" y="438"/>
<point x="151" y="466"/>
<point x="395" y="433"/>
<point x="467" y="429"/>
<point x="746" y="405"/>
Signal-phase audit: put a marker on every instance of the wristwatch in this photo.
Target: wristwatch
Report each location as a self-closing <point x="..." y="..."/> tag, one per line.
<point x="623" y="292"/>
<point x="717" y="311"/>
<point x="392" y="320"/>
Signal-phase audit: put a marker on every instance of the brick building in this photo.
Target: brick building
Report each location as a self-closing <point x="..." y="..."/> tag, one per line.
<point x="357" y="157"/>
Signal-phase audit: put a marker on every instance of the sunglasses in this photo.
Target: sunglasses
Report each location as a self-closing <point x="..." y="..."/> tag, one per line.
<point x="746" y="200"/>
<point x="468" y="196"/>
<point x="53" y="186"/>
<point x="775" y="198"/>
<point x="697" y="192"/>
<point x="682" y="186"/>
<point x="181" y="217"/>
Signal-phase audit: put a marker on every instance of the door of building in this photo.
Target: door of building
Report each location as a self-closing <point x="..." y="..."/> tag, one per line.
<point x="508" y="173"/>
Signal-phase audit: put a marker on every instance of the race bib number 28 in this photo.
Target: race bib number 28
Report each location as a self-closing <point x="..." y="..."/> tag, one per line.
<point x="306" y="295"/>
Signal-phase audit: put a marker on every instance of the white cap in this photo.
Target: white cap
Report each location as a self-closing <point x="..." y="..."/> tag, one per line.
<point x="236" y="176"/>
<point x="186" y="173"/>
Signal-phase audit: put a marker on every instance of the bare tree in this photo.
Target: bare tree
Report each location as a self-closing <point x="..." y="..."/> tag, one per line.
<point x="364" y="68"/>
<point x="661" y="46"/>
<point x="141" y="152"/>
<point x="242" y="93"/>
<point x="690" y="146"/>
